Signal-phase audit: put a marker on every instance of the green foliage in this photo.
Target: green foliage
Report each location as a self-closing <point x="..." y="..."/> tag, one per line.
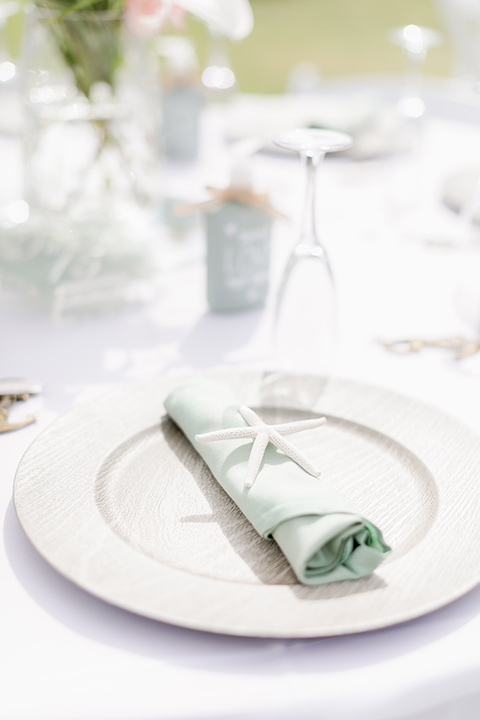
<point x="13" y="34"/>
<point x="341" y="37"/>
<point x="88" y="35"/>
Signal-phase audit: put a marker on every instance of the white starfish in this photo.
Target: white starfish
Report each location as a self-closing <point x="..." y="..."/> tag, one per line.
<point x="264" y="434"/>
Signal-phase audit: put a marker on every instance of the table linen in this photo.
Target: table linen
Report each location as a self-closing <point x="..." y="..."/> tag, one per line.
<point x="81" y="658"/>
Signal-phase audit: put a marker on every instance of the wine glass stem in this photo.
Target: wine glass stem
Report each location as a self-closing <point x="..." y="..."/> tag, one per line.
<point x="413" y="73"/>
<point x="308" y="227"/>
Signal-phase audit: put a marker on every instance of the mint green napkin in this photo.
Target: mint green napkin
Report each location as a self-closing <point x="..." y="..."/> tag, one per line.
<point x="322" y="535"/>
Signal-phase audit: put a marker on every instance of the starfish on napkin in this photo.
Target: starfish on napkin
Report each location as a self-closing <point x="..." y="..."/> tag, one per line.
<point x="264" y="434"/>
<point x="322" y="535"/>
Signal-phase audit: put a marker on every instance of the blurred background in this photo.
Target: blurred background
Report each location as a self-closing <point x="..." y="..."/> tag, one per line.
<point x="339" y="37"/>
<point x="170" y="140"/>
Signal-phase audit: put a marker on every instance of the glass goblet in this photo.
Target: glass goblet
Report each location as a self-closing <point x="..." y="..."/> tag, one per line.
<point x="415" y="42"/>
<point x="305" y="312"/>
<point x="218" y="76"/>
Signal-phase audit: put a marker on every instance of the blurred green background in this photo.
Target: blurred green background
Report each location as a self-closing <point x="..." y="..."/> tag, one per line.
<point x="342" y="37"/>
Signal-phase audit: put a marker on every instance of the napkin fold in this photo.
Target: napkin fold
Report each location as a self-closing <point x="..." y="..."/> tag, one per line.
<point x="322" y="535"/>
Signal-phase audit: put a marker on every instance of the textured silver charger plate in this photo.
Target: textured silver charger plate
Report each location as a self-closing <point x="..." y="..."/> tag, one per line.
<point x="115" y="498"/>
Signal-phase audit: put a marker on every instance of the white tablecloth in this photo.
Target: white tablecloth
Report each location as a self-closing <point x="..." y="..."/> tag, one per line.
<point x="69" y="656"/>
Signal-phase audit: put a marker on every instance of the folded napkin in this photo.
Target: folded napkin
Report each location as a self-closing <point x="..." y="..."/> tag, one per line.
<point x="322" y="536"/>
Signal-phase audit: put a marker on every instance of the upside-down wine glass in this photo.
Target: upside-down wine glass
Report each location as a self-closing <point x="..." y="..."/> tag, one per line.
<point x="415" y="42"/>
<point x="218" y="76"/>
<point x="408" y="190"/>
<point x="305" y="313"/>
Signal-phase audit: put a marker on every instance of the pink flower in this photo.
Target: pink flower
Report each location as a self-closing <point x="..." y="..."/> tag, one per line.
<point x="177" y="17"/>
<point x="233" y="18"/>
<point x="148" y="17"/>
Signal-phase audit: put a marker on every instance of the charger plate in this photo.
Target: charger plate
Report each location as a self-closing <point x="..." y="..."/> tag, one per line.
<point x="115" y="498"/>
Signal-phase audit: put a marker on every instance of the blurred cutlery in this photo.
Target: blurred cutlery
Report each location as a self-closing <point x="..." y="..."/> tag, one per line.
<point x="463" y="347"/>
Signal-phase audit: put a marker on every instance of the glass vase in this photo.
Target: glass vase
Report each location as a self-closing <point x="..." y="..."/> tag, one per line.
<point x="91" y="186"/>
<point x="92" y="132"/>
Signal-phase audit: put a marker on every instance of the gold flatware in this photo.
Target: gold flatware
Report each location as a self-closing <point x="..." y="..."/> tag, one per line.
<point x="14" y="390"/>
<point x="463" y="347"/>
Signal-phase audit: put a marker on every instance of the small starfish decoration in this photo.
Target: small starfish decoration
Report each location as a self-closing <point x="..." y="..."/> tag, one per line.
<point x="263" y="434"/>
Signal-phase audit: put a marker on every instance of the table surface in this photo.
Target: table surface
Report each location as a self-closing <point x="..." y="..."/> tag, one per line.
<point x="66" y="654"/>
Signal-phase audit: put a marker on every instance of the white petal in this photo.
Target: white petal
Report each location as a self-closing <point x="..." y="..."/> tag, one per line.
<point x="233" y="18"/>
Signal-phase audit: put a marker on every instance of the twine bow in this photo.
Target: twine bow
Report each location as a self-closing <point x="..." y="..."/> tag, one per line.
<point x="221" y="196"/>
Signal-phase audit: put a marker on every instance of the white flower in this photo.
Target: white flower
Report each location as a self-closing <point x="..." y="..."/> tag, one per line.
<point x="233" y="18"/>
